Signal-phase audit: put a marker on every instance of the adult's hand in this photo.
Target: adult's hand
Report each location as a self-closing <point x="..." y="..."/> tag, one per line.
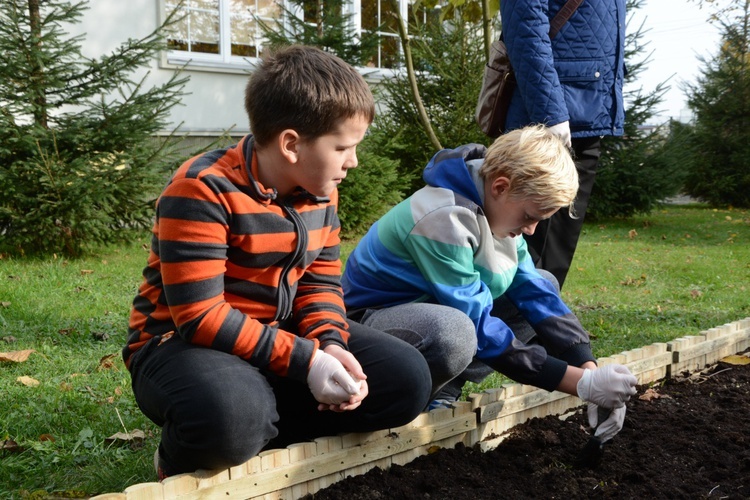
<point x="562" y="130"/>
<point x="329" y="381"/>
<point x="609" y="386"/>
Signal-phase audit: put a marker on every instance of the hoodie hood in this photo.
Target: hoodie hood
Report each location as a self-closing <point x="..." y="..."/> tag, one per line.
<point x="448" y="169"/>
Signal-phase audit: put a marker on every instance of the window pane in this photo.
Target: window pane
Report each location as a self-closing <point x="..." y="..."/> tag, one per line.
<point x="390" y="52"/>
<point x="425" y="16"/>
<point x="247" y="36"/>
<point x="310" y="9"/>
<point x="198" y="29"/>
<point x="388" y="16"/>
<point x="370" y="15"/>
<point x="242" y="28"/>
<point x="379" y="17"/>
<point x="379" y="12"/>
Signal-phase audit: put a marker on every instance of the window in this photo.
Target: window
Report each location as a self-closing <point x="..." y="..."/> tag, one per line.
<point x="379" y="16"/>
<point x="222" y="32"/>
<point x="225" y="33"/>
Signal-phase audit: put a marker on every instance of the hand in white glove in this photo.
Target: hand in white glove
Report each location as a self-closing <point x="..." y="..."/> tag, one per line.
<point x="608" y="428"/>
<point x="562" y="130"/>
<point x="329" y="381"/>
<point x="609" y="386"/>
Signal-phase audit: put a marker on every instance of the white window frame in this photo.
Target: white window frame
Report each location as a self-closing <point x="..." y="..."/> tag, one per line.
<point x="226" y="62"/>
<point x="356" y="9"/>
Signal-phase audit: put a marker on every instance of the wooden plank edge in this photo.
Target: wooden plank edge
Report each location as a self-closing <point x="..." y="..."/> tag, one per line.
<point x="730" y="336"/>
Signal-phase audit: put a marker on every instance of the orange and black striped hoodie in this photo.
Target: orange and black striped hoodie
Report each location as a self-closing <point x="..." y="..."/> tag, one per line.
<point x="229" y="262"/>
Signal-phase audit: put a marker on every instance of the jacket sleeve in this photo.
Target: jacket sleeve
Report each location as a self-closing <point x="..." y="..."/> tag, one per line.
<point x="448" y="266"/>
<point x="525" y="29"/>
<point x="319" y="302"/>
<point x="540" y="304"/>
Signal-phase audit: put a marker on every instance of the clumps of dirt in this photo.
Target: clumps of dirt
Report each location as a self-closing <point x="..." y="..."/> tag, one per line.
<point x="688" y="437"/>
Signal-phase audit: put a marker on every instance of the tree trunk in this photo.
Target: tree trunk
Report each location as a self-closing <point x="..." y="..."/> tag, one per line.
<point x="413" y="79"/>
<point x="37" y="76"/>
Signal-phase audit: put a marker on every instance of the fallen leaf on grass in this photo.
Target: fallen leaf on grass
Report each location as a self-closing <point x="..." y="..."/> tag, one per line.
<point x="28" y="381"/>
<point x="100" y="336"/>
<point x="135" y="436"/>
<point x="651" y="394"/>
<point x="16" y="356"/>
<point x="736" y="359"/>
<point x="107" y="362"/>
<point x="634" y="281"/>
<point x="5" y="304"/>
<point x="10" y="445"/>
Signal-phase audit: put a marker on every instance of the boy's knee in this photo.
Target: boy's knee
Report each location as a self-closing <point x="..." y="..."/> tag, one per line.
<point x="238" y="432"/>
<point x="454" y="337"/>
<point x="222" y="429"/>
<point x="551" y="277"/>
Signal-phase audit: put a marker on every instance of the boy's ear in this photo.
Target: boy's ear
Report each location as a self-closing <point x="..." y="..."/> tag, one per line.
<point x="289" y="142"/>
<point x="499" y="185"/>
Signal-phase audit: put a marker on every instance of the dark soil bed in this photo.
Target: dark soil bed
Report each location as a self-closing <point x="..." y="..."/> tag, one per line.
<point x="685" y="438"/>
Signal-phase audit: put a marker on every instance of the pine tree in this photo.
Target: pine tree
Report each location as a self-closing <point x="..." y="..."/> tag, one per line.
<point x="79" y="164"/>
<point x="323" y="24"/>
<point x="720" y="100"/>
<point x="641" y="168"/>
<point x="444" y="54"/>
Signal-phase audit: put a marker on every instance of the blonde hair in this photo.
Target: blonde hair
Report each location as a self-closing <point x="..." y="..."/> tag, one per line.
<point x="538" y="165"/>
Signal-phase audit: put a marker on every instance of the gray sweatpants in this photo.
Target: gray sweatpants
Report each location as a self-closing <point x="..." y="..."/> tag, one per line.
<point x="447" y="339"/>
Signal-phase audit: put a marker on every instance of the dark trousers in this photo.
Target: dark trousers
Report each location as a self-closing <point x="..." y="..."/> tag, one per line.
<point x="554" y="242"/>
<point x="216" y="410"/>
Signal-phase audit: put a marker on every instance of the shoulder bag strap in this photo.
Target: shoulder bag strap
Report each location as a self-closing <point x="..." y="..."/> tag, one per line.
<point x="562" y="17"/>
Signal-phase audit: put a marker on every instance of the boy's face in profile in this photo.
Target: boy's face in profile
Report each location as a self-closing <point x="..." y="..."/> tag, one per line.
<point x="324" y="161"/>
<point x="511" y="216"/>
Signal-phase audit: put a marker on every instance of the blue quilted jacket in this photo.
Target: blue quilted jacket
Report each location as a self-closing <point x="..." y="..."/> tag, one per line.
<point x="578" y="76"/>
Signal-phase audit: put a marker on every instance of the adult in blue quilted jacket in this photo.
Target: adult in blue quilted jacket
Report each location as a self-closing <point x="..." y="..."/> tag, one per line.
<point x="573" y="84"/>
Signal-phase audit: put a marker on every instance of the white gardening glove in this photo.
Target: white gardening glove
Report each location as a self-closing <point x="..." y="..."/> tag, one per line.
<point x="608" y="428"/>
<point x="329" y="381"/>
<point x="609" y="386"/>
<point x="562" y="130"/>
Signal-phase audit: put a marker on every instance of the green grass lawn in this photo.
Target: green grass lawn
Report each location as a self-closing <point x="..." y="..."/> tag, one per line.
<point x="634" y="282"/>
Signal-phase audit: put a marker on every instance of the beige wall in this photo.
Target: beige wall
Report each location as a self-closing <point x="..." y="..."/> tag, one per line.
<point x="214" y="100"/>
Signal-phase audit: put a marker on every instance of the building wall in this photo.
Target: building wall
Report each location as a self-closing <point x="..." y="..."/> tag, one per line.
<point x="214" y="100"/>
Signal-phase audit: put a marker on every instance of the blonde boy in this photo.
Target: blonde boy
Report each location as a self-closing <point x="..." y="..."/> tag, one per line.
<point x="448" y="271"/>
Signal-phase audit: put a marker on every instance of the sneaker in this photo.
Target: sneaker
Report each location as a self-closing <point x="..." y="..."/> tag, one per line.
<point x="441" y="403"/>
<point x="159" y="466"/>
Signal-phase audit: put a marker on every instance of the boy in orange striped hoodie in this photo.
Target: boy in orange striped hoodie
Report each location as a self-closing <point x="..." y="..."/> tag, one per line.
<point x="238" y="338"/>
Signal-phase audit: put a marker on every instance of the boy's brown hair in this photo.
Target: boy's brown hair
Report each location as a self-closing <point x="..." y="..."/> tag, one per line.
<point x="304" y="89"/>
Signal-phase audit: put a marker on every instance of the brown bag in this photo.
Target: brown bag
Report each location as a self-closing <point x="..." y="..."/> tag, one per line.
<point x="498" y="82"/>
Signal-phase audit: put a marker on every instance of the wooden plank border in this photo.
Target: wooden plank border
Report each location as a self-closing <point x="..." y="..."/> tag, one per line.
<point x="305" y="468"/>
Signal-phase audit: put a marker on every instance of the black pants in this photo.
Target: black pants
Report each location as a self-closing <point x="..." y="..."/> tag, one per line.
<point x="554" y="242"/>
<point x="216" y="410"/>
